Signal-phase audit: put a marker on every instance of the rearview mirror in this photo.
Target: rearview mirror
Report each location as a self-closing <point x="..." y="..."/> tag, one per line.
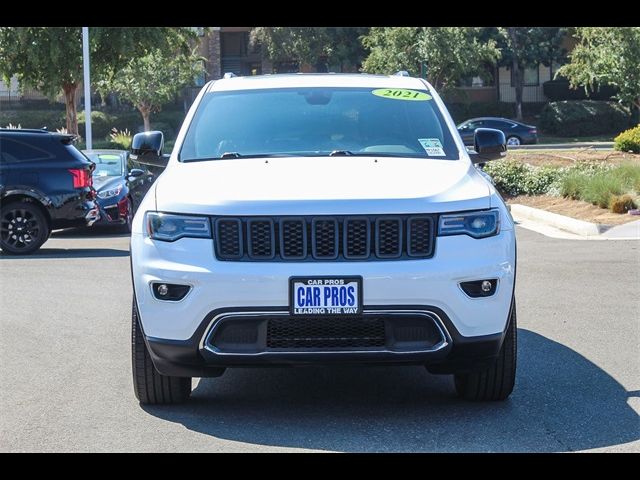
<point x="490" y="144"/>
<point x="146" y="147"/>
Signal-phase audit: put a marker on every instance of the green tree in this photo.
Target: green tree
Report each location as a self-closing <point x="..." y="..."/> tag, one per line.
<point x="50" y="58"/>
<point x="523" y="47"/>
<point x="154" y="79"/>
<point x="392" y="49"/>
<point x="317" y="46"/>
<point x="450" y="53"/>
<point x="606" y="55"/>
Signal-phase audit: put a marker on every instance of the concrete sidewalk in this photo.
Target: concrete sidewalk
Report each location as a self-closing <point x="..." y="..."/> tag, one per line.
<point x="627" y="230"/>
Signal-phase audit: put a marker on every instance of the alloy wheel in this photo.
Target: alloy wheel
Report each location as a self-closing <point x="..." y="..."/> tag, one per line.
<point x="19" y="229"/>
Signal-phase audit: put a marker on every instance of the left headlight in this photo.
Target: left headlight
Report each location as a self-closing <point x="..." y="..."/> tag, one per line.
<point x="114" y="192"/>
<point x="478" y="224"/>
<point x="169" y="227"/>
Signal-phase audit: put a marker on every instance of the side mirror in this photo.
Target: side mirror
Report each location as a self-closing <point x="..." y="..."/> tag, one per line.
<point x="136" y="172"/>
<point x="146" y="147"/>
<point x="489" y="144"/>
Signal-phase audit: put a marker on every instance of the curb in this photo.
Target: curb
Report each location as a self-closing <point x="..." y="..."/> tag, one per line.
<point x="568" y="224"/>
<point x="565" y="146"/>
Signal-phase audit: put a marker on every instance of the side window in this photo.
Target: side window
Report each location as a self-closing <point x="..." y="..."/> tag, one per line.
<point x="476" y="124"/>
<point x="14" y="151"/>
<point x="497" y="124"/>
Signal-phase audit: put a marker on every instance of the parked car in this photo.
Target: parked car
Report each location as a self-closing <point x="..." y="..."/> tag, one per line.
<point x="45" y="184"/>
<point x="311" y="219"/>
<point x="121" y="184"/>
<point x="516" y="133"/>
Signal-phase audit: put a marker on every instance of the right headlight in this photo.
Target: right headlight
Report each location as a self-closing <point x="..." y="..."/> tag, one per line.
<point x="169" y="227"/>
<point x="479" y="224"/>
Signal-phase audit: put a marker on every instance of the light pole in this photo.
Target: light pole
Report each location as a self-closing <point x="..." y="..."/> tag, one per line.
<point x="87" y="87"/>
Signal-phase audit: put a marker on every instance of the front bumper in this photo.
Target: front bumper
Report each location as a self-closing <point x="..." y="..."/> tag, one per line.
<point x="452" y="353"/>
<point x="111" y="212"/>
<point x="176" y="332"/>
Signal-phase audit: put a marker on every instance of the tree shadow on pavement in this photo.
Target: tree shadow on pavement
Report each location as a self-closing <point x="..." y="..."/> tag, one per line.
<point x="89" y="232"/>
<point x="561" y="402"/>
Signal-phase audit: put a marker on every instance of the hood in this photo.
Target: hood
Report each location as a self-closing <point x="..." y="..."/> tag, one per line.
<point x="321" y="185"/>
<point x="106" y="183"/>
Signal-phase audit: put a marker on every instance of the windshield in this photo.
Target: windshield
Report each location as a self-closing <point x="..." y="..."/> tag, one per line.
<point x="318" y="122"/>
<point x="107" y="164"/>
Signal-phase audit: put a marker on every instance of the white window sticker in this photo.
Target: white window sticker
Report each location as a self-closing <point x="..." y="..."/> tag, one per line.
<point x="432" y="146"/>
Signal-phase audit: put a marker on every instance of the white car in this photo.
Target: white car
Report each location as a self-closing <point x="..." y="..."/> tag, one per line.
<point x="322" y="218"/>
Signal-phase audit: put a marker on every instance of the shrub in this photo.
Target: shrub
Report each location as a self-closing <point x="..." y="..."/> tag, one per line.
<point x="121" y="138"/>
<point x="516" y="178"/>
<point x="628" y="141"/>
<point x="621" y="204"/>
<point x="583" y="117"/>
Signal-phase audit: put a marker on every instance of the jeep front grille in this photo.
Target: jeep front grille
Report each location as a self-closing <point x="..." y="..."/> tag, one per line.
<point x="324" y="238"/>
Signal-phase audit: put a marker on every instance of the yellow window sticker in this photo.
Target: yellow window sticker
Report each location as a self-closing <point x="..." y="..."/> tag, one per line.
<point x="402" y="94"/>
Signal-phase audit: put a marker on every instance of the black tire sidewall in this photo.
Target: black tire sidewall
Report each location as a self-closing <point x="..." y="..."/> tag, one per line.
<point x="43" y="225"/>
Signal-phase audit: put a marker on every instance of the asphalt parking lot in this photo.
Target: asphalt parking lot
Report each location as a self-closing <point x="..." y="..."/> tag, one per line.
<point x="65" y="368"/>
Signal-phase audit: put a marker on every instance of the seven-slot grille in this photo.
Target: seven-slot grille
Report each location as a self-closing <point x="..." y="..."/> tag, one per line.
<point x="324" y="238"/>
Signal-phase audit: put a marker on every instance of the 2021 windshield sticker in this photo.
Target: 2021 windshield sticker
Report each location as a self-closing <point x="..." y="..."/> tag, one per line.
<point x="402" y="94"/>
<point x="432" y="146"/>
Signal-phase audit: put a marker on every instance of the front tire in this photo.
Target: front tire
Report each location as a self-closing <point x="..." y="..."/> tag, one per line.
<point x="497" y="382"/>
<point x="151" y="387"/>
<point x="513" y="141"/>
<point x="23" y="228"/>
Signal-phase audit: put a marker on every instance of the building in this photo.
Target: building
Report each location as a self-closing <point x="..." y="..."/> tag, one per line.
<point x="498" y="86"/>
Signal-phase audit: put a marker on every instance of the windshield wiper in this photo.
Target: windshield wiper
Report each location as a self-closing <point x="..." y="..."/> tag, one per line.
<point x="227" y="155"/>
<point x="230" y="155"/>
<point x="339" y="153"/>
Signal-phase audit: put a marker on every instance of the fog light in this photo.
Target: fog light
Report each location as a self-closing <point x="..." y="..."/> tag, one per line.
<point x="480" y="288"/>
<point x="169" y="291"/>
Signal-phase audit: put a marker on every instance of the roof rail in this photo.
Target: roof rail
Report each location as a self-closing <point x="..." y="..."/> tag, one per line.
<point x="402" y="73"/>
<point x="229" y="75"/>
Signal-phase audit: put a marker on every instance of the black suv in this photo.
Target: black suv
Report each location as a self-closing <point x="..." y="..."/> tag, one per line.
<point x="45" y="184"/>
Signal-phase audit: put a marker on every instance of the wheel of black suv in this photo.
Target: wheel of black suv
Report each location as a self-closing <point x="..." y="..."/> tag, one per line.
<point x="150" y="387"/>
<point x="23" y="228"/>
<point x="495" y="383"/>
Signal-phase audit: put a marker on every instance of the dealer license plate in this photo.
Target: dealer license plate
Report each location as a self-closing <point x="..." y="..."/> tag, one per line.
<point x="325" y="295"/>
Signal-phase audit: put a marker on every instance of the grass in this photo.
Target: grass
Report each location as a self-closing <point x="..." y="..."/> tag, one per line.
<point x="601" y="187"/>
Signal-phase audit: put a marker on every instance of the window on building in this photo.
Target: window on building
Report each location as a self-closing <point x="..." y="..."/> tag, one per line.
<point x="531" y="77"/>
<point x="233" y="44"/>
<point x="555" y="66"/>
<point x="200" y="79"/>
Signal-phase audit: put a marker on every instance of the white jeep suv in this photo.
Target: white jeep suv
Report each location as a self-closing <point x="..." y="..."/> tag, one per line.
<point x="322" y="218"/>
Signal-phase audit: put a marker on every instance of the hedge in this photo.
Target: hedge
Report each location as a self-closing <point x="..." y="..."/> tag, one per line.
<point x="464" y="111"/>
<point x="574" y="118"/>
<point x="559" y="89"/>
